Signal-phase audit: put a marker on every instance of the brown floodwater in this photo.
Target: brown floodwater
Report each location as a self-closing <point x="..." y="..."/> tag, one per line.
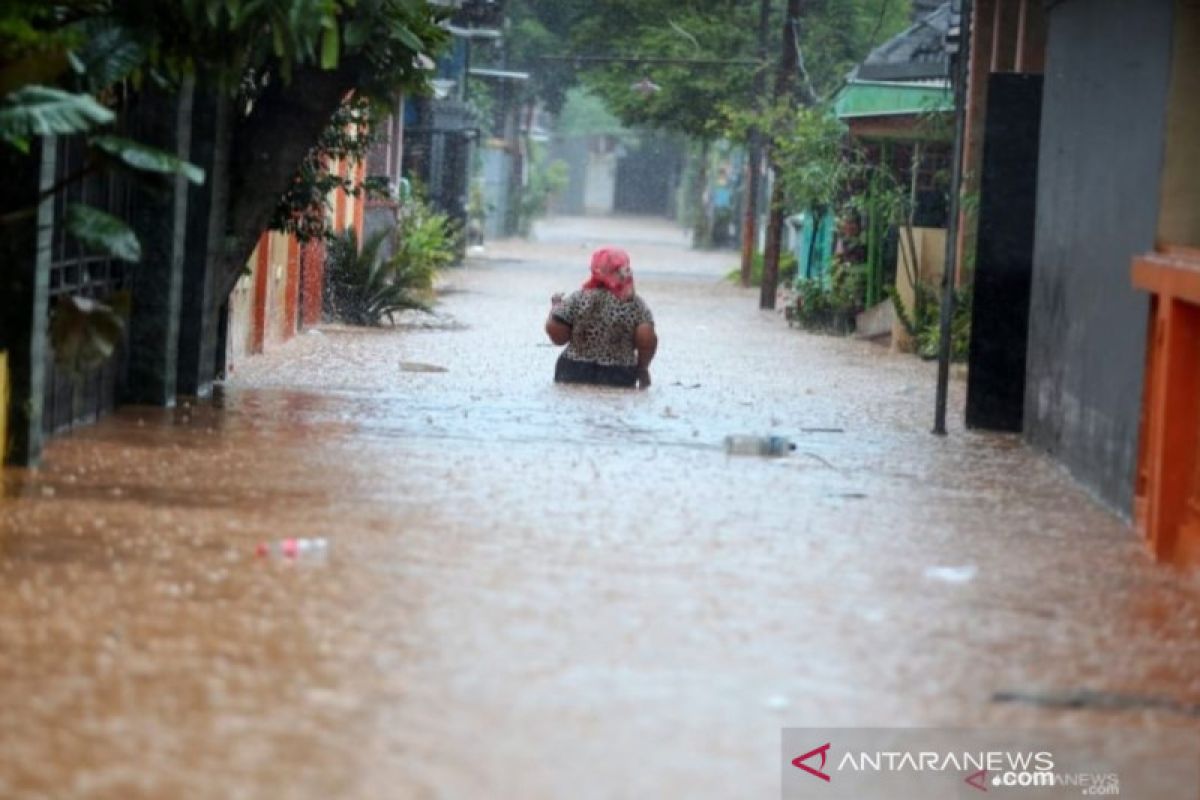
<point x="532" y="591"/>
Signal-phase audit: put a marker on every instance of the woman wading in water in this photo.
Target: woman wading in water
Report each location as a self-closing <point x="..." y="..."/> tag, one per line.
<point x="608" y="330"/>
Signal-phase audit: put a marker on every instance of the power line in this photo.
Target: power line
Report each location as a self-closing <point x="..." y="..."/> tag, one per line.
<point x="691" y="62"/>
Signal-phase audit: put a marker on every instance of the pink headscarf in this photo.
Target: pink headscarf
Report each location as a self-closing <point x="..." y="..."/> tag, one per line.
<point x="610" y="270"/>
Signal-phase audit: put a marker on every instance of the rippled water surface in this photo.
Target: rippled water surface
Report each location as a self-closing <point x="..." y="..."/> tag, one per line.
<point x="539" y="591"/>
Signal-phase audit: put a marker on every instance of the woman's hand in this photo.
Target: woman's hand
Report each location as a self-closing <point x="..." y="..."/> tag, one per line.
<point x="645" y="342"/>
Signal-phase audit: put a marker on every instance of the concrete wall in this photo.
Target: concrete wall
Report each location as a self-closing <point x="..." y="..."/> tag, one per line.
<point x="930" y="244"/>
<point x="281" y="292"/>
<point x="241" y="317"/>
<point x="497" y="172"/>
<point x="1099" y="176"/>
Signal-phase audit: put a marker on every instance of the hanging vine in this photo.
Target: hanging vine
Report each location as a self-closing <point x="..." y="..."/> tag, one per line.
<point x="305" y="209"/>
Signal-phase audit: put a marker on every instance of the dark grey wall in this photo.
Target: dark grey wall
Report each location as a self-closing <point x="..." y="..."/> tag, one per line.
<point x="1107" y="69"/>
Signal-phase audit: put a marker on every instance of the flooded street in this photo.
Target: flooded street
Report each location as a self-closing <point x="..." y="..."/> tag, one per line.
<point x="536" y="591"/>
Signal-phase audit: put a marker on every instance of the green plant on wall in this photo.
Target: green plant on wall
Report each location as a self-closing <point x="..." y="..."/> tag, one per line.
<point x="305" y="209"/>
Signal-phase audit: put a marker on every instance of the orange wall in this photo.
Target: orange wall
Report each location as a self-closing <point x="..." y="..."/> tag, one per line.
<point x="291" y="299"/>
<point x="312" y="271"/>
<point x="284" y="289"/>
<point x="258" y="330"/>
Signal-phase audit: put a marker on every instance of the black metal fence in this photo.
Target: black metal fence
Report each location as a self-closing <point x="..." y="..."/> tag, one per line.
<point x="72" y="397"/>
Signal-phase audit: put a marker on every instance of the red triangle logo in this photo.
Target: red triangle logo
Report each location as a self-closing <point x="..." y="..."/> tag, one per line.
<point x="978" y="780"/>
<point x="798" y="762"/>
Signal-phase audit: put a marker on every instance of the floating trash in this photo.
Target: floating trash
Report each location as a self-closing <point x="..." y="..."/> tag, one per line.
<point x="963" y="574"/>
<point x="740" y="445"/>
<point x="293" y="548"/>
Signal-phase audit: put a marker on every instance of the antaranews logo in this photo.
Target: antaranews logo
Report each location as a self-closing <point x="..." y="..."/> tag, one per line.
<point x="1023" y="767"/>
<point x="818" y="772"/>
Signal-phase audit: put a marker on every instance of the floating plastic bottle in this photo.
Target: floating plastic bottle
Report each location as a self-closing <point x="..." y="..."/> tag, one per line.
<point x="742" y="445"/>
<point x="293" y="548"/>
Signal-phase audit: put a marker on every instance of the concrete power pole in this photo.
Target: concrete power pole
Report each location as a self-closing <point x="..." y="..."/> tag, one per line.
<point x="754" y="156"/>
<point x="784" y="80"/>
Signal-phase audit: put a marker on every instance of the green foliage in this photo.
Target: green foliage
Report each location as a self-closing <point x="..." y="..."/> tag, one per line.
<point x="835" y="35"/>
<point x="689" y="94"/>
<point x="535" y="29"/>
<point x="848" y="285"/>
<point x="305" y="208"/>
<point x="233" y="38"/>
<point x="364" y="288"/>
<point x="928" y="330"/>
<point x="102" y="50"/>
<point x="359" y="288"/>
<point x="924" y="312"/>
<point x="585" y="114"/>
<point x="106" y="54"/>
<point x="811" y="158"/>
<point x="545" y="178"/>
<point x="101" y="232"/>
<point x="425" y="241"/>
<point x="46" y="111"/>
<point x="142" y="158"/>
<point x="787" y="269"/>
<point x="832" y="306"/>
<point x="482" y="100"/>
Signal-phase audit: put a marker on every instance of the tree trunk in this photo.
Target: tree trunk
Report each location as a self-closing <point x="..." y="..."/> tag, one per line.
<point x="784" y="81"/>
<point x="269" y="145"/>
<point x="754" y="154"/>
<point x="770" y="279"/>
<point x="702" y="225"/>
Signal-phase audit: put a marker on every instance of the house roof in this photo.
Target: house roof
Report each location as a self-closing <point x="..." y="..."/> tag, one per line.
<point x="892" y="98"/>
<point x="917" y="53"/>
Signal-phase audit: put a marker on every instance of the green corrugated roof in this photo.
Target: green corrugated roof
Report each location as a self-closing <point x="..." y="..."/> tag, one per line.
<point x="887" y="99"/>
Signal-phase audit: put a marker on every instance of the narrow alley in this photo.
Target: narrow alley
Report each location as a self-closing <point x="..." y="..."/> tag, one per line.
<point x="535" y="591"/>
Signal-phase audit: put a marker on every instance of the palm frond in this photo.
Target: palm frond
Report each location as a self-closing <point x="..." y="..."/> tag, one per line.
<point x="45" y="111"/>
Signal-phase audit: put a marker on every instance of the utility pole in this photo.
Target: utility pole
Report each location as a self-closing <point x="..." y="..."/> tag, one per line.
<point x="754" y="156"/>
<point x="960" y="73"/>
<point x="784" y="79"/>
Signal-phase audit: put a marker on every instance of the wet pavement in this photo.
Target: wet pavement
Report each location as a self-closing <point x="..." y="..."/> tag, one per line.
<point x="534" y="591"/>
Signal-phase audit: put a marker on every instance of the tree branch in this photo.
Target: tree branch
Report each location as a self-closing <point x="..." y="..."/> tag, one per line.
<point x="269" y="145"/>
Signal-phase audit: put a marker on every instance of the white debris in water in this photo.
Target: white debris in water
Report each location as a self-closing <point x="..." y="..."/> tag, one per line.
<point x="777" y="702"/>
<point x="963" y="574"/>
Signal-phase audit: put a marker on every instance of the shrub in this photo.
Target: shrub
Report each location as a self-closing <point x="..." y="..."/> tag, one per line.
<point x="362" y="287"/>
<point x="426" y="241"/>
<point x="787" y="269"/>
<point x="830" y="308"/>
<point x="929" y="335"/>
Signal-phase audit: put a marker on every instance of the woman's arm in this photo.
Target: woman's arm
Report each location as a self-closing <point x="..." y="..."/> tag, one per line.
<point x="645" y="341"/>
<point x="558" y="331"/>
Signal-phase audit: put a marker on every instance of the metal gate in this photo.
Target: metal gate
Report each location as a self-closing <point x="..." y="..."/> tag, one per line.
<point x="71" y="398"/>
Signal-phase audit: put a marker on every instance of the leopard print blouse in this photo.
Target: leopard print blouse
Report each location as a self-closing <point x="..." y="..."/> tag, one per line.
<point x="602" y="326"/>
